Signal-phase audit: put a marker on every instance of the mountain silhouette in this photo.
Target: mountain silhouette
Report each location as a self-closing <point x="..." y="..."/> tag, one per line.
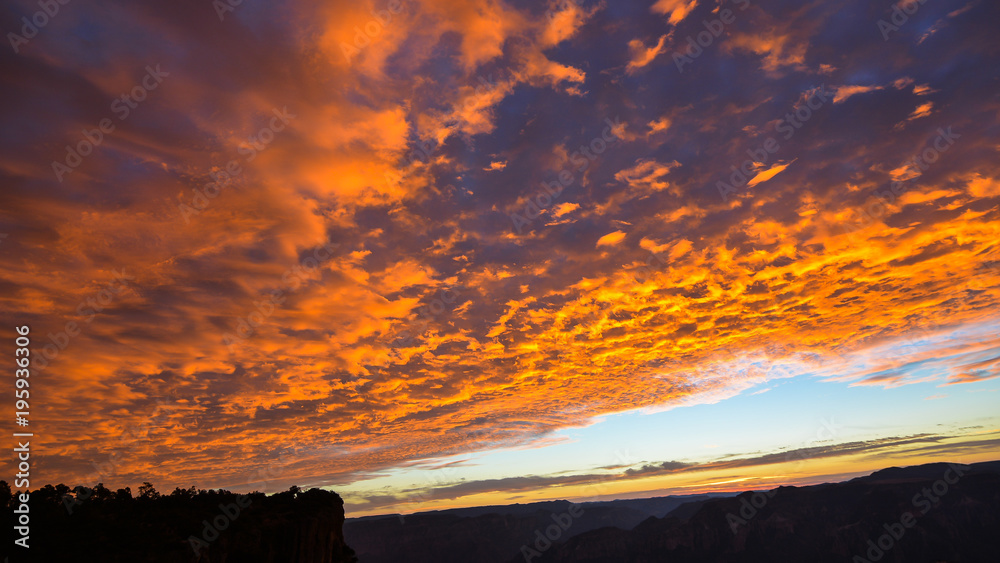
<point x="186" y="526"/>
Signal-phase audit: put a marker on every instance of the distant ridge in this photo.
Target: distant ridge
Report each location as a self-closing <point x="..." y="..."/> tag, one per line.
<point x="494" y="533"/>
<point x="925" y="471"/>
<point x="655" y="506"/>
<point x="951" y="514"/>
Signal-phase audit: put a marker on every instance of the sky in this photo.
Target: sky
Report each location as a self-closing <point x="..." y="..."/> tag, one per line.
<point x="441" y="253"/>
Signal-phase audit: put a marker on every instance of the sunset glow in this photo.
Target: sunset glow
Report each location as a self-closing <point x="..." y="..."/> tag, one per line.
<point x="442" y="253"/>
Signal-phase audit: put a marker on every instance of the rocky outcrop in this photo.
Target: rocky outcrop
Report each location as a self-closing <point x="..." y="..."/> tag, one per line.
<point x="185" y="527"/>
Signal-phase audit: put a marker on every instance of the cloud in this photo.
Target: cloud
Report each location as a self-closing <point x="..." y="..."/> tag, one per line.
<point x="564" y="209"/>
<point x="777" y="50"/>
<point x="923" y="110"/>
<point x="975" y="372"/>
<point x="797" y="454"/>
<point x="898" y="445"/>
<point x="646" y="176"/>
<point x="611" y="239"/>
<point x="659" y="125"/>
<point x="675" y="10"/>
<point x="642" y="55"/>
<point x="845" y="92"/>
<point x="565" y="22"/>
<point x="765" y="175"/>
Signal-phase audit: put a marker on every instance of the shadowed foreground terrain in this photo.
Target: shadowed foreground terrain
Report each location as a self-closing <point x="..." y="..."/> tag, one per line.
<point x="829" y="522"/>
<point x="492" y="534"/>
<point x="928" y="513"/>
<point x="195" y="526"/>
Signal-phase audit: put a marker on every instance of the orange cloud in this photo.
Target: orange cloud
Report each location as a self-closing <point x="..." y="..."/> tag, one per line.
<point x="642" y="55"/>
<point x="611" y="239"/>
<point x="675" y="10"/>
<point x="765" y="175"/>
<point x="432" y="328"/>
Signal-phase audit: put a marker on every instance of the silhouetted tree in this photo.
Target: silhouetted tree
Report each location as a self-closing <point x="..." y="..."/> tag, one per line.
<point x="5" y="494"/>
<point x="83" y="524"/>
<point x="102" y="493"/>
<point x="147" y="491"/>
<point x="184" y="493"/>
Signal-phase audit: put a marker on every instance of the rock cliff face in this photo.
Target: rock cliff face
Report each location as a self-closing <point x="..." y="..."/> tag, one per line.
<point x="930" y="513"/>
<point x="186" y="527"/>
<point x="308" y="529"/>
